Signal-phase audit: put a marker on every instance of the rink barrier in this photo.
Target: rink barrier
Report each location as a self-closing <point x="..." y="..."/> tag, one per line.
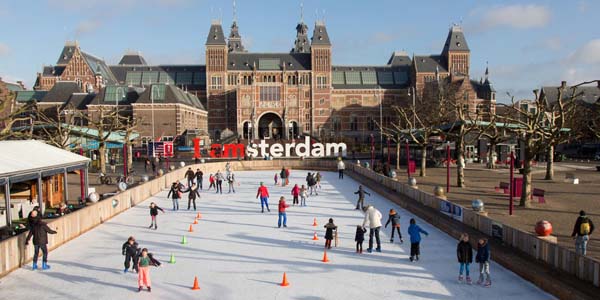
<point x="559" y="257"/>
<point x="14" y="255"/>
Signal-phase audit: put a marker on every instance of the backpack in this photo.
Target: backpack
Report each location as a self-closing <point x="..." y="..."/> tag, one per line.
<point x="584" y="227"/>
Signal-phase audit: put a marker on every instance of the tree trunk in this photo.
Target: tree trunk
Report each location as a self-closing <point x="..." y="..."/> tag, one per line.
<point x="423" y="171"/>
<point x="102" y="153"/>
<point x="526" y="190"/>
<point x="550" y="164"/>
<point x="460" y="161"/>
<point x="397" y="155"/>
<point x="129" y="157"/>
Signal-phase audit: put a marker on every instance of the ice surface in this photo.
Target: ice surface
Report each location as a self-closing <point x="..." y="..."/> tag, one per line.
<point x="239" y="253"/>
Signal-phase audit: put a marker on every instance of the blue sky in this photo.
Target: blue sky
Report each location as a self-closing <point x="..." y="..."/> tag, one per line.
<point x="527" y="43"/>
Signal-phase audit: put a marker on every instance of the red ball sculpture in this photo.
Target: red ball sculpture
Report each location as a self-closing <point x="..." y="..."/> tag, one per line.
<point x="543" y="228"/>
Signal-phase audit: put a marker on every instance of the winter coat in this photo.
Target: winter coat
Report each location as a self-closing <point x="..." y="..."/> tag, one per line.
<point x="394" y="218"/>
<point x="372" y="217"/>
<point x="464" y="252"/>
<point x="262" y="192"/>
<point x="361" y="193"/>
<point x="282" y="174"/>
<point x="130" y="249"/>
<point x="310" y="180"/>
<point x="211" y="179"/>
<point x="341" y="165"/>
<point x="329" y="228"/>
<point x="303" y="193"/>
<point x="151" y="261"/>
<point x="318" y="176"/>
<point x="193" y="194"/>
<point x="577" y="227"/>
<point x="175" y="192"/>
<point x="199" y="174"/>
<point x="154" y="210"/>
<point x="230" y="178"/>
<point x="39" y="231"/>
<point x="219" y="177"/>
<point x="189" y="174"/>
<point x="415" y="231"/>
<point x="287" y="173"/>
<point x="483" y="253"/>
<point x="295" y="191"/>
<point x="282" y="206"/>
<point x="360" y="234"/>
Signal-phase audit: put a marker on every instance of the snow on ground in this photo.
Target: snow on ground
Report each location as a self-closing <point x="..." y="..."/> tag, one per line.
<point x="239" y="253"/>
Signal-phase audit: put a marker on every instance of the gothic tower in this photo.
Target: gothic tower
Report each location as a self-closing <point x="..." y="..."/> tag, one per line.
<point x="216" y="76"/>
<point x="321" y="78"/>
<point x="456" y="52"/>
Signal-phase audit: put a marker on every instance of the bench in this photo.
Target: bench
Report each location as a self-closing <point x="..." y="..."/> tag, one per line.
<point x="504" y="186"/>
<point x="539" y="193"/>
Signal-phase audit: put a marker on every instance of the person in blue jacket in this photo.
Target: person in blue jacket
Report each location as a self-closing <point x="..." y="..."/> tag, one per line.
<point x="415" y="239"/>
<point x="483" y="258"/>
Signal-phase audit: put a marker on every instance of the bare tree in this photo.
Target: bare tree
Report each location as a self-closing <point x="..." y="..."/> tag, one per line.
<point x="55" y="125"/>
<point x="129" y="127"/>
<point x="495" y="136"/>
<point x="106" y="121"/>
<point x="13" y="117"/>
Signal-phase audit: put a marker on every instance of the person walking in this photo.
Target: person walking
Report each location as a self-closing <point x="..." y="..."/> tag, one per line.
<point x="153" y="213"/>
<point x="581" y="231"/>
<point x="282" y="213"/>
<point x="295" y="194"/>
<point x="464" y="253"/>
<point x="483" y="258"/>
<point x="193" y="194"/>
<point x="361" y="197"/>
<point x="146" y="164"/>
<point x="175" y="193"/>
<point x="153" y="166"/>
<point x="199" y="176"/>
<point x="359" y="238"/>
<point x="130" y="251"/>
<point x="113" y="164"/>
<point x="303" y="195"/>
<point x="341" y="167"/>
<point x="287" y="176"/>
<point x="330" y="227"/>
<point x="415" y="231"/>
<point x="231" y="182"/>
<point x="373" y="219"/>
<point x="263" y="193"/>
<point x="211" y="180"/>
<point x="283" y="177"/>
<point x="394" y="218"/>
<point x="39" y="231"/>
<point x="190" y="175"/>
<point x="318" y="177"/>
<point x="219" y="181"/>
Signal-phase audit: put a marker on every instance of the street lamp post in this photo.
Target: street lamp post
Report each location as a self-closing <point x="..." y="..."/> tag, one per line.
<point x="372" y="151"/>
<point x="413" y="94"/>
<point x="380" y="122"/>
<point x="447" y="167"/>
<point x="511" y="183"/>
<point x="407" y="160"/>
<point x="152" y="109"/>
<point x="388" y="152"/>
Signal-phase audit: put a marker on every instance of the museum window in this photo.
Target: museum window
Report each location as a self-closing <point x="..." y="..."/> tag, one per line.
<point x="322" y="82"/>
<point x="232" y="79"/>
<point x="270" y="93"/>
<point x="216" y="82"/>
<point x="247" y="80"/>
<point x="292" y="80"/>
<point x="322" y="101"/>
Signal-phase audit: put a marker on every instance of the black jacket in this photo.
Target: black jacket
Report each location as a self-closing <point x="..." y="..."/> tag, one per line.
<point x="39" y="231"/>
<point x="154" y="210"/>
<point x="199" y="174"/>
<point x="330" y="227"/>
<point x="577" y="227"/>
<point x="394" y="218"/>
<point x="464" y="252"/>
<point x="130" y="249"/>
<point x="483" y="253"/>
<point x="189" y="174"/>
<point x="175" y="189"/>
<point x="360" y="234"/>
<point x="282" y="174"/>
<point x="361" y="193"/>
<point x="193" y="194"/>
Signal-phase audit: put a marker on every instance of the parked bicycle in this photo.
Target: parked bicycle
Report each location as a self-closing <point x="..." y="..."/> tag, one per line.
<point x="104" y="179"/>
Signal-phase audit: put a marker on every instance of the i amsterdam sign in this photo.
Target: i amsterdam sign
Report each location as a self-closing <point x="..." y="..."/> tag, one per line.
<point x="262" y="149"/>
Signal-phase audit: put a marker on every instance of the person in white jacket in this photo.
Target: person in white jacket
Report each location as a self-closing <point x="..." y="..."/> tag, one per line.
<point x="373" y="219"/>
<point x="341" y="167"/>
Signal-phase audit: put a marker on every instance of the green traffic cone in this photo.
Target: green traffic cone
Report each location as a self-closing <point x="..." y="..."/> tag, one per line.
<point x="184" y="240"/>
<point x="172" y="260"/>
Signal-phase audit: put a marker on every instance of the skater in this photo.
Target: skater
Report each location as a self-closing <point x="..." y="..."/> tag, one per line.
<point x="190" y="175"/>
<point x="211" y="180"/>
<point x="295" y="194"/>
<point x="231" y="182"/>
<point x="154" y="167"/>
<point x="199" y="176"/>
<point x="193" y="194"/>
<point x="318" y="177"/>
<point x="219" y="181"/>
<point x="415" y="239"/>
<point x="361" y="197"/>
<point x="341" y="167"/>
<point x="359" y="238"/>
<point x="131" y="251"/>
<point x="33" y="217"/>
<point x="283" y="178"/>
<point x="287" y="176"/>
<point x="113" y="163"/>
<point x="303" y="195"/>
<point x="483" y="258"/>
<point x="153" y="213"/>
<point x="39" y="230"/>
<point x="581" y="231"/>
<point x="175" y="193"/>
<point x="373" y="218"/>
<point x="145" y="261"/>
<point x="263" y="193"/>
<point x="329" y="228"/>
<point x="275" y="178"/>
<point x="310" y="180"/>
<point x="394" y="218"/>
<point x="146" y="164"/>
<point x="464" y="253"/>
<point x="282" y="214"/>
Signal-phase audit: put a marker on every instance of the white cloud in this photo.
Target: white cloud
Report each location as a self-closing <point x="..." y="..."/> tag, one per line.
<point x="516" y="16"/>
<point x="583" y="6"/>
<point x="4" y="50"/>
<point x="87" y="26"/>
<point x="588" y="53"/>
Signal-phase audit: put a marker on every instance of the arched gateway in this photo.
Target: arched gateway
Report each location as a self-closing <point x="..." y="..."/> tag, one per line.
<point x="270" y="126"/>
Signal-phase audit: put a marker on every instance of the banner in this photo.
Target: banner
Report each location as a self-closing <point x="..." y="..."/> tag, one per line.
<point x="452" y="210"/>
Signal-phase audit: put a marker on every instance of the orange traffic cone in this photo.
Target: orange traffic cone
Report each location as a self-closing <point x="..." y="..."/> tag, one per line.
<point x="198" y="216"/>
<point x="195" y="287"/>
<point x="191" y="229"/>
<point x="285" y="281"/>
<point x="315" y="238"/>
<point x="315" y="222"/>
<point x="195" y="221"/>
<point x="325" y="259"/>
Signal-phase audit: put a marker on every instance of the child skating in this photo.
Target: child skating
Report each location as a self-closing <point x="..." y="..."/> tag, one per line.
<point x="263" y="193"/>
<point x="464" y="253"/>
<point x="361" y="197"/>
<point x="153" y="213"/>
<point x="144" y="263"/>
<point x="276" y="177"/>
<point x="282" y="213"/>
<point x="130" y="250"/>
<point x="359" y="238"/>
<point x="211" y="180"/>
<point x="483" y="258"/>
<point x="295" y="194"/>
<point x="231" y="182"/>
<point x="329" y="230"/>
<point x="394" y="218"/>
<point x="193" y="194"/>
<point x="303" y="195"/>
<point x="415" y="239"/>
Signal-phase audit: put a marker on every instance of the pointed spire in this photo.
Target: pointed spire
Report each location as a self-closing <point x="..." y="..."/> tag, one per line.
<point x="487" y="71"/>
<point x="302" y="12"/>
<point x="234" y="43"/>
<point x="234" y="12"/>
<point x="301" y="44"/>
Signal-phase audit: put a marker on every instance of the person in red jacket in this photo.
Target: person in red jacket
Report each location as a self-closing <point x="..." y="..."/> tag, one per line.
<point x="295" y="194"/>
<point x="263" y="193"/>
<point x="287" y="176"/>
<point x="282" y="214"/>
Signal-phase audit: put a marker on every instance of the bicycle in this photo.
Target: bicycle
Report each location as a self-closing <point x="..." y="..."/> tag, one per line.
<point x="104" y="179"/>
<point x="129" y="180"/>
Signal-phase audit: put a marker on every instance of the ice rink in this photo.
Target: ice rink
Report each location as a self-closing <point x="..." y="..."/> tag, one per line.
<point x="238" y="253"/>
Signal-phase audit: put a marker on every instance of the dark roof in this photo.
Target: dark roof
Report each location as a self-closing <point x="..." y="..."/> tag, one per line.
<point x="26" y="96"/>
<point x="108" y="95"/>
<point x="170" y="94"/>
<point x="399" y="58"/>
<point x="80" y="100"/>
<point x="370" y="77"/>
<point x="456" y="40"/>
<point x="53" y="70"/>
<point x="14" y="87"/>
<point x="215" y="35"/>
<point x="320" y="36"/>
<point x="133" y="59"/>
<point x="234" y="44"/>
<point x="301" y="44"/>
<point x="98" y="66"/>
<point x="589" y="94"/>
<point x="429" y="63"/>
<point x="61" y="91"/>
<point x="67" y="53"/>
<point x="483" y="89"/>
<point x="268" y="61"/>
<point x="191" y="76"/>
